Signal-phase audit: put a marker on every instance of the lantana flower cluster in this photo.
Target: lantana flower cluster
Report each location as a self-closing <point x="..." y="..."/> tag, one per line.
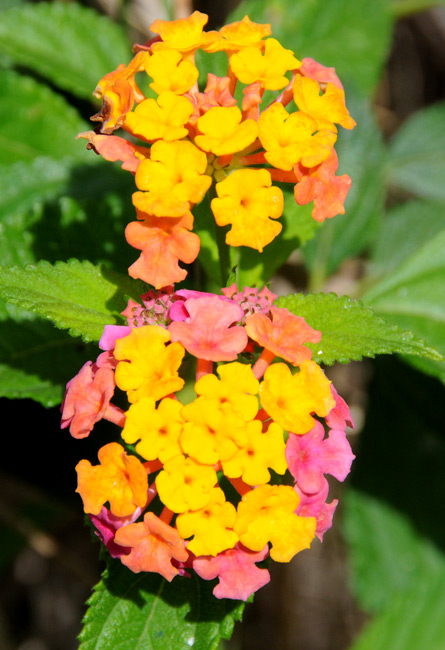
<point x="182" y="142"/>
<point x="219" y="480"/>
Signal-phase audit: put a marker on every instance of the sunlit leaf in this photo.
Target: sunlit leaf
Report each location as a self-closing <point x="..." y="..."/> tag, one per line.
<point x="145" y="612"/>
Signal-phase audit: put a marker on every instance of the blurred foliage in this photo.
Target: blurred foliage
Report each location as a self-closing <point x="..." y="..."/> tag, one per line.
<point x="58" y="201"/>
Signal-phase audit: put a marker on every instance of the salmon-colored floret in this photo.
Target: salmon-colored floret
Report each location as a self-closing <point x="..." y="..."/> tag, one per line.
<point x="284" y="335"/>
<point x="154" y="544"/>
<point x="87" y="398"/>
<point x="113" y="148"/>
<point x="163" y="242"/>
<point x="323" y="187"/>
<point x="210" y="331"/>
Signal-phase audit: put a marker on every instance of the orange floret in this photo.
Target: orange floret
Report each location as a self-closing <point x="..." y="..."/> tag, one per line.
<point x="120" y="479"/>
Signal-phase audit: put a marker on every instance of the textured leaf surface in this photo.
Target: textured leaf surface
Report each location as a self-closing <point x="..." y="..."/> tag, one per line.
<point x="35" y="121"/>
<point x="416" y="156"/>
<point x="351" y="331"/>
<point x="76" y="295"/>
<point x="361" y="155"/>
<point x="72" y="46"/>
<point x="316" y="28"/>
<point x="36" y="360"/>
<point x="413" y="295"/>
<point x="145" y="612"/>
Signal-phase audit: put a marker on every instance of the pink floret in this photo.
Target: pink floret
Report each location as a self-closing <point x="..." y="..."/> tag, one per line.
<point x="239" y="577"/>
<point x="87" y="398"/>
<point x="311" y="456"/>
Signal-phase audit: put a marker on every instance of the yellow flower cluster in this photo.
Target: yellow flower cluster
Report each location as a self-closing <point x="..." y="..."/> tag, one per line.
<point x="186" y="139"/>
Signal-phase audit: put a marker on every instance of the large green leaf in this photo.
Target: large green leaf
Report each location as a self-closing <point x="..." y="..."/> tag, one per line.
<point x="388" y="556"/>
<point x="398" y="574"/>
<point x="396" y="537"/>
<point x="36" y="360"/>
<point x="413" y="295"/>
<point x="404" y="230"/>
<point x="72" y="46"/>
<point x="350" y="330"/>
<point x="62" y="229"/>
<point x="25" y="183"/>
<point x="35" y="121"/>
<point x="145" y="612"/>
<point x="361" y="155"/>
<point x="416" y="156"/>
<point x="75" y="295"/>
<point x="414" y="620"/>
<point x="352" y="36"/>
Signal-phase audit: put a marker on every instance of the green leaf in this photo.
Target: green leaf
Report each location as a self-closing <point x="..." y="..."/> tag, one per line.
<point x="414" y="620"/>
<point x="34" y="121"/>
<point x="72" y="46"/>
<point x="361" y="155"/>
<point x="396" y="537"/>
<point x="413" y="295"/>
<point x="398" y="574"/>
<point x="416" y="156"/>
<point x="145" y="612"/>
<point x="25" y="183"/>
<point x="350" y="330"/>
<point x="354" y="37"/>
<point x="61" y="229"/>
<point x="36" y="360"/>
<point x="405" y="229"/>
<point x="76" y="295"/>
<point x="389" y="561"/>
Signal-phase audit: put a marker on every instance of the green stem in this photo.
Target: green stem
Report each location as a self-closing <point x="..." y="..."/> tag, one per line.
<point x="224" y="254"/>
<point x="318" y="273"/>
